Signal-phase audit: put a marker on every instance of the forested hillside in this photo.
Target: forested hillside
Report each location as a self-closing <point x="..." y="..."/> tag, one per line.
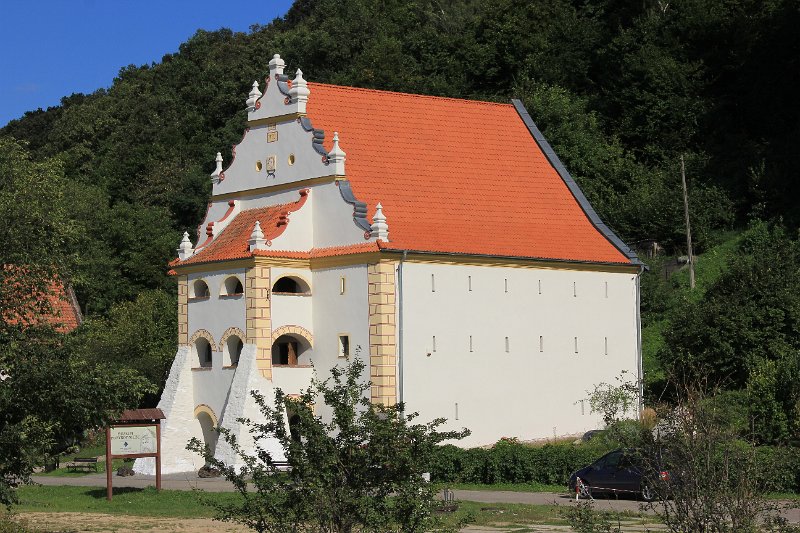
<point x="621" y="88"/>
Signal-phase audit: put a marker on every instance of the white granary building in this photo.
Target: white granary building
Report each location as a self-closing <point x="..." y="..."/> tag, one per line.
<point x="440" y="239"/>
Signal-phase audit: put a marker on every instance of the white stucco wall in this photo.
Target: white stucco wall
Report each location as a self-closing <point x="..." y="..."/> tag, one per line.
<point x="216" y="314"/>
<point x="179" y="426"/>
<point x="522" y="392"/>
<point x="339" y="314"/>
<point x="292" y="309"/>
<point x="333" y="218"/>
<point x="241" y="404"/>
<point x="243" y="173"/>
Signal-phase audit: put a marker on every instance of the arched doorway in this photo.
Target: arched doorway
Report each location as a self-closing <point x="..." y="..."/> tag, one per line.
<point x="208" y="422"/>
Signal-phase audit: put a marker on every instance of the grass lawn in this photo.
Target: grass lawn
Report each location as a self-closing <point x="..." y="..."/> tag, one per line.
<point x="98" y="450"/>
<point x="126" y="501"/>
<point x="187" y="504"/>
<point x="513" y="487"/>
<point x="511" y="515"/>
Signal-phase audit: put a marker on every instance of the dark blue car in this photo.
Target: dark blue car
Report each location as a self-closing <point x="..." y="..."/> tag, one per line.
<point x="621" y="472"/>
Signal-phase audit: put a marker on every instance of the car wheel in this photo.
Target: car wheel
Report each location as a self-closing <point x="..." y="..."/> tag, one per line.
<point x="647" y="493"/>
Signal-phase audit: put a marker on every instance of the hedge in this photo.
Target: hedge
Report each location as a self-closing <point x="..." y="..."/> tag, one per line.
<point x="511" y="462"/>
<point x="552" y="464"/>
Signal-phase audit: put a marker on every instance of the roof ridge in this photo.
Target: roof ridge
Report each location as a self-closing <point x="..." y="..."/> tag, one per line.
<point x="413" y="95"/>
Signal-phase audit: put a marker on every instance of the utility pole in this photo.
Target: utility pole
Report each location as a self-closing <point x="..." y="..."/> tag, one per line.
<point x="688" y="228"/>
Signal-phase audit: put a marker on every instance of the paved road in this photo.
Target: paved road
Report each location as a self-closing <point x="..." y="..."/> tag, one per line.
<point x="191" y="481"/>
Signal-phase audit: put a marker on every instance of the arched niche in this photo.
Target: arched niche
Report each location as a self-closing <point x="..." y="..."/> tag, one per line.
<point x="232" y="286"/>
<point x="291" y="285"/>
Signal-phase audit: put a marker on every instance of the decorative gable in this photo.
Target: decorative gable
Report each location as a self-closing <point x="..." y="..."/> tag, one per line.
<point x="280" y="145"/>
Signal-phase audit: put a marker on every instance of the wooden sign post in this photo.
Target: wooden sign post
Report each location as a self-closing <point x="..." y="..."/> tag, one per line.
<point x="137" y="433"/>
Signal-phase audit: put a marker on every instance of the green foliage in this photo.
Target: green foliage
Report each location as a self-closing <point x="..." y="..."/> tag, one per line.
<point x="512" y="462"/>
<point x="138" y="335"/>
<point x="743" y="333"/>
<point x="614" y="401"/>
<point x="50" y="399"/>
<point x="584" y="519"/>
<point x="361" y="470"/>
<point x="33" y="245"/>
<point x="50" y="396"/>
<point x="716" y="482"/>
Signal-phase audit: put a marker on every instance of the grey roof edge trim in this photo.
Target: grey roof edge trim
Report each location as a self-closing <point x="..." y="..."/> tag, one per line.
<point x="359" y="207"/>
<point x="388" y="249"/>
<point x="572" y="185"/>
<point x="318" y="136"/>
<point x="283" y="86"/>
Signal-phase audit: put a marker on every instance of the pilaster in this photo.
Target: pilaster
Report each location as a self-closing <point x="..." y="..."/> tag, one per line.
<point x="382" y="337"/>
<point x="183" y="310"/>
<point x="259" y="317"/>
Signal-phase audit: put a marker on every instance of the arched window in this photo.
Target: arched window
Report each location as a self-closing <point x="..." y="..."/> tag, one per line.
<point x="291" y="285"/>
<point x="233" y="350"/>
<point x="232" y="287"/>
<point x="294" y="426"/>
<point x="288" y="350"/>
<point x="199" y="289"/>
<point x="203" y="349"/>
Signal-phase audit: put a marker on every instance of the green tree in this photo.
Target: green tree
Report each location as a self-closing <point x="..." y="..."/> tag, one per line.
<point x="138" y="336"/>
<point x="50" y="396"/>
<point x="744" y="332"/>
<point x="360" y="471"/>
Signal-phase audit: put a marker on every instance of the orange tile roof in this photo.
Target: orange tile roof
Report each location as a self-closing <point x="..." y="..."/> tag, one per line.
<point x="456" y="176"/>
<point x="55" y="306"/>
<point x="232" y="242"/>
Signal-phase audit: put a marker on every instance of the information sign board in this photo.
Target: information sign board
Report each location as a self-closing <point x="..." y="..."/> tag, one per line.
<point x="133" y="440"/>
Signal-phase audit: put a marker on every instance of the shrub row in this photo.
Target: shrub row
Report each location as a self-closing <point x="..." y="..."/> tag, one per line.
<point x="552" y="464"/>
<point x="511" y="462"/>
<point x="780" y="468"/>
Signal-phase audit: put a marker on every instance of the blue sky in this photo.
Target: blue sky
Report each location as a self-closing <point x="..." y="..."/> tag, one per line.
<point x="51" y="48"/>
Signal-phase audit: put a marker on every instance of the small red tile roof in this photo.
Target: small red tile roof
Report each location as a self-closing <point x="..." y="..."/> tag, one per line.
<point x="60" y="309"/>
<point x="141" y="415"/>
<point x="67" y="315"/>
<point x="456" y="176"/>
<point x="232" y="242"/>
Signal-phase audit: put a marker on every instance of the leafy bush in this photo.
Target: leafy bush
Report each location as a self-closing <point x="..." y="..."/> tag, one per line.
<point x="552" y="464"/>
<point x="512" y="462"/>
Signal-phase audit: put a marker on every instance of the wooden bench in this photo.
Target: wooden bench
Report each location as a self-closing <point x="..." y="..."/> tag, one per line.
<point x="82" y="463"/>
<point x="281" y="466"/>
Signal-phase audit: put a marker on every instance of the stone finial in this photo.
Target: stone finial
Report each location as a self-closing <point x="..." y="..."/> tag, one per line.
<point x="216" y="176"/>
<point x="380" y="229"/>
<point x="299" y="91"/>
<point x="185" y="248"/>
<point x="257" y="240"/>
<point x="336" y="156"/>
<point x="276" y="65"/>
<point x="253" y="97"/>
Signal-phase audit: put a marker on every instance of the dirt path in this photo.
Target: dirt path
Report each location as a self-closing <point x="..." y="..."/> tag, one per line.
<point x="96" y="522"/>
